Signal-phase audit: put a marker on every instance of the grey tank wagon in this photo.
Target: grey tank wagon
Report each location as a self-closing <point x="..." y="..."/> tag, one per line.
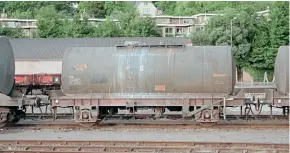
<point x="148" y="70"/>
<point x="127" y="80"/>
<point x="158" y="80"/>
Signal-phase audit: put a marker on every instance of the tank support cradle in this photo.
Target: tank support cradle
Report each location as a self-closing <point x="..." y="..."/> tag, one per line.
<point x="87" y="116"/>
<point x="208" y="113"/>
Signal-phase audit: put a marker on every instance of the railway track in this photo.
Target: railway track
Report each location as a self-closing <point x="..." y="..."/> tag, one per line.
<point x="233" y="121"/>
<point x="68" y="124"/>
<point x="48" y="146"/>
<point x="229" y="117"/>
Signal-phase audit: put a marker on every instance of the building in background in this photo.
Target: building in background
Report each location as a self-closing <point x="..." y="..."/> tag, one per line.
<point x="146" y="8"/>
<point x="27" y="25"/>
<point x="182" y="26"/>
<point x="171" y="26"/>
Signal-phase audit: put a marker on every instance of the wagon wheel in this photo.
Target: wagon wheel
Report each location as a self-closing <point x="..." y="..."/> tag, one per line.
<point x="3" y="124"/>
<point x="3" y="118"/>
<point x="15" y="120"/>
<point x="207" y="124"/>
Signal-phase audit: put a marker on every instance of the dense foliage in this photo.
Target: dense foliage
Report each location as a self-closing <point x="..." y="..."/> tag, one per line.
<point x="194" y="7"/>
<point x="62" y="19"/>
<point x="254" y="39"/>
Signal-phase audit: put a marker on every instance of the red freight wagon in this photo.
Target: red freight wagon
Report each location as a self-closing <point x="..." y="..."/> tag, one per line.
<point x="43" y="82"/>
<point x="23" y="79"/>
<point x="37" y="79"/>
<point x="47" y="79"/>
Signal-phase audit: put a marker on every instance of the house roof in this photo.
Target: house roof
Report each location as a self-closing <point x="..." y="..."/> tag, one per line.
<point x="53" y="49"/>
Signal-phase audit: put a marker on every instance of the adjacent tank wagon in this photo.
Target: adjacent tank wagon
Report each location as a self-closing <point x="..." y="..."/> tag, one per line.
<point x="280" y="96"/>
<point x="282" y="70"/>
<point x="7" y="66"/>
<point x="12" y="103"/>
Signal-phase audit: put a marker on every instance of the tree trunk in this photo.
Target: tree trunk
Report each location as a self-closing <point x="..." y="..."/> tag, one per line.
<point x="240" y="74"/>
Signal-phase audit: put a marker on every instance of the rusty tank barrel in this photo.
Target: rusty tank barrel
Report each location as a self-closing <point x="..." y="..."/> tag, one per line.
<point x="148" y="69"/>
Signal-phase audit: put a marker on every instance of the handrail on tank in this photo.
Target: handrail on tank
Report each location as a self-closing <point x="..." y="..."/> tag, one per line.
<point x="150" y="46"/>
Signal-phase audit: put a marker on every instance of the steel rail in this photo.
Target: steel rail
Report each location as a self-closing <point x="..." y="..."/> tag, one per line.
<point x="239" y="117"/>
<point x="152" y="124"/>
<point x="66" y="126"/>
<point x="47" y="146"/>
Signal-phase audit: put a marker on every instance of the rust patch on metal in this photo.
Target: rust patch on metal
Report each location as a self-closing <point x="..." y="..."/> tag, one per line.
<point x="81" y="67"/>
<point x="160" y="87"/>
<point x="219" y="75"/>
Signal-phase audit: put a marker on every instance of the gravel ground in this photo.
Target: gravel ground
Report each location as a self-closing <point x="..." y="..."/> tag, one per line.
<point x="143" y="134"/>
<point x="206" y="134"/>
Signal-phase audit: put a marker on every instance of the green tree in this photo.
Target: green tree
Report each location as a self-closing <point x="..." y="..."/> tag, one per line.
<point x="232" y="28"/>
<point x="259" y="60"/>
<point x="94" y="9"/>
<point x="79" y="28"/>
<point x="108" y="29"/>
<point x="11" y="32"/>
<point x="143" y="27"/>
<point x="167" y="7"/>
<point x="131" y="24"/>
<point x="279" y="25"/>
<point x="194" y="7"/>
<point x="64" y="7"/>
<point x="269" y="36"/>
<point x="22" y="9"/>
<point x="22" y="15"/>
<point x="200" y="38"/>
<point x="115" y="7"/>
<point x="17" y="8"/>
<point x="50" y="23"/>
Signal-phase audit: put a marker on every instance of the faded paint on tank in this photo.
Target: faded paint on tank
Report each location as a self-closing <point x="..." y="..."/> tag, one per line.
<point x="183" y="69"/>
<point x="282" y="70"/>
<point x="7" y="66"/>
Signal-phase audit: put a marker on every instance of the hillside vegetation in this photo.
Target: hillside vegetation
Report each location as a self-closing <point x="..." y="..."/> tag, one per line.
<point x="255" y="39"/>
<point x="53" y="19"/>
